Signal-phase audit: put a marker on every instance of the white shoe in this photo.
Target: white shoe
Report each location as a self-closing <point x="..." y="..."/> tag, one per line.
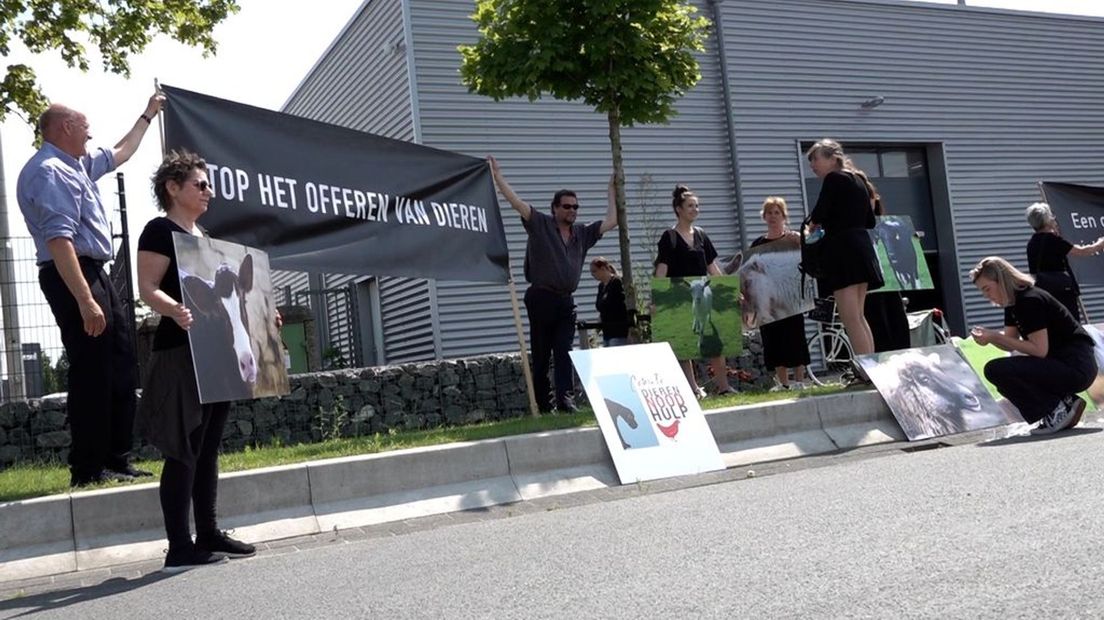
<point x="779" y="387"/>
<point x="1066" y="414"/>
<point x="798" y="385"/>
<point x="700" y="392"/>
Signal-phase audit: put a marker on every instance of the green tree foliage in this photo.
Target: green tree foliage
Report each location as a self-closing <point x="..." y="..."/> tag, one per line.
<point x="116" y="28"/>
<point x="628" y="59"/>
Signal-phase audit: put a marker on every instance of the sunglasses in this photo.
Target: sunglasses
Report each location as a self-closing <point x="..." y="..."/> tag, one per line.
<point x="202" y="185"/>
<point x="574" y="207"/>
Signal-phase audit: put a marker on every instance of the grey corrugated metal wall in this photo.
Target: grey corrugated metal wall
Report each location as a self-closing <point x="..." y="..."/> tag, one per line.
<point x="1012" y="97"/>
<point x="362" y="83"/>
<point x="548" y="144"/>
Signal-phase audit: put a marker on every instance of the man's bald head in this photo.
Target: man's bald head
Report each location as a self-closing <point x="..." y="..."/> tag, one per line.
<point x="56" y="128"/>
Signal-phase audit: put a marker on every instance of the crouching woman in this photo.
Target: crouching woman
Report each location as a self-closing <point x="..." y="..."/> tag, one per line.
<point x="1057" y="358"/>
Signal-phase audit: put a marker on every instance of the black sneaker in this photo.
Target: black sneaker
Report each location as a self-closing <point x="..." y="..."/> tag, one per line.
<point x="98" y="478"/>
<point x="130" y="470"/>
<point x="187" y="558"/>
<point x="566" y="406"/>
<point x="219" y="542"/>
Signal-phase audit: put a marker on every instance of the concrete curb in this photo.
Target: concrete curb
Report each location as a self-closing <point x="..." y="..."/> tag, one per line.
<point x="95" y="529"/>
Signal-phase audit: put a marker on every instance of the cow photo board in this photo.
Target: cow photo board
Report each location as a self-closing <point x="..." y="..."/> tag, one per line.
<point x="699" y="317"/>
<point x="234" y="340"/>
<point x="932" y="392"/>
<point x="900" y="254"/>
<point x="770" y="282"/>
<point x="649" y="418"/>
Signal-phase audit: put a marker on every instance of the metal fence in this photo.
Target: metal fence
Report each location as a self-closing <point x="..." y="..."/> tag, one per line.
<point x="33" y="359"/>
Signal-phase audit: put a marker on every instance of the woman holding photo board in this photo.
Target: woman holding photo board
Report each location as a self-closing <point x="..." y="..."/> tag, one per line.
<point x="685" y="251"/>
<point x="171" y="417"/>
<point x="784" y="344"/>
<point x="844" y="212"/>
<point x="1056" y="359"/>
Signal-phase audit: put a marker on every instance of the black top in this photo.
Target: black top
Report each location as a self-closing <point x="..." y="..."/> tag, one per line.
<point x="157" y="238"/>
<point x="765" y="239"/>
<point x="1047" y="252"/>
<point x="682" y="260"/>
<point x="611" y="308"/>
<point x="844" y="203"/>
<point x="1036" y="309"/>
<point x="549" y="262"/>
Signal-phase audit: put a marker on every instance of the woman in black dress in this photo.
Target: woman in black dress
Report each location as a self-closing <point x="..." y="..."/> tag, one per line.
<point x="610" y="303"/>
<point x="1048" y="257"/>
<point x="685" y="251"/>
<point x="784" y="344"/>
<point x="171" y="417"/>
<point x="843" y="210"/>
<point x="1057" y="358"/>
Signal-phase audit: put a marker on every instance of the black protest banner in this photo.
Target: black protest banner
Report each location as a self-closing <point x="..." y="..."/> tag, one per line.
<point x="1079" y="210"/>
<point x="323" y="198"/>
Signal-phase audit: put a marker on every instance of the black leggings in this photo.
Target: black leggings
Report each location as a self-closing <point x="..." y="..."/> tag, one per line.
<point x="196" y="484"/>
<point x="1036" y="384"/>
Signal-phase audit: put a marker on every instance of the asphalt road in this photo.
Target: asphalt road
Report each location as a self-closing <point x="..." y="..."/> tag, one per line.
<point x="1008" y="529"/>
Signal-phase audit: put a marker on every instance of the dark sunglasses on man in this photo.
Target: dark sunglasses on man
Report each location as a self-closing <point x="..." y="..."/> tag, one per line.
<point x="573" y="207"/>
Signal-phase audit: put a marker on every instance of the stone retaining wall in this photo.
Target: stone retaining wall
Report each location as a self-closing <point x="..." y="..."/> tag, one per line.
<point x="342" y="403"/>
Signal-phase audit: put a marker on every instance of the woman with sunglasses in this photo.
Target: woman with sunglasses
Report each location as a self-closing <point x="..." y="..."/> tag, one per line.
<point x="1055" y="357"/>
<point x="685" y="251"/>
<point x="187" y="433"/>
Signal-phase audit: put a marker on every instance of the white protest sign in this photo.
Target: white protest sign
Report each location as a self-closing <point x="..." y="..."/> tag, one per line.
<point x="650" y="419"/>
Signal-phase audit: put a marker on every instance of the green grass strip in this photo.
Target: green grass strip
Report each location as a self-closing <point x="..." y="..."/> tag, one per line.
<point x="37" y="480"/>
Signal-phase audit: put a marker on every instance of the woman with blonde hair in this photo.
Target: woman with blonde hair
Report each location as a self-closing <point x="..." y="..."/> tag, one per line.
<point x="844" y="212"/>
<point x="610" y="303"/>
<point x="784" y="344"/>
<point x="1056" y="360"/>
<point x="685" y="251"/>
<point x="1048" y="257"/>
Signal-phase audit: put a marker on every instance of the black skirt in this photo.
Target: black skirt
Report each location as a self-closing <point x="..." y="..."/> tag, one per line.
<point x="850" y="259"/>
<point x="170" y="408"/>
<point x="784" y="343"/>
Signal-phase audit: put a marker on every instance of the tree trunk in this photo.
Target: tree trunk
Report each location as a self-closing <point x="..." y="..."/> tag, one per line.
<point x="622" y="217"/>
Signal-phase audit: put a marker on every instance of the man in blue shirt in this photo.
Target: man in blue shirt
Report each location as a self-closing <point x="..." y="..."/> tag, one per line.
<point x="65" y="215"/>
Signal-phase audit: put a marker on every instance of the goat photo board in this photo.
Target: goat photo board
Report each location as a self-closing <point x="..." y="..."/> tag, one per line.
<point x="234" y="340"/>
<point x="932" y="392"/>
<point x="652" y="424"/>
<point x="699" y="317"/>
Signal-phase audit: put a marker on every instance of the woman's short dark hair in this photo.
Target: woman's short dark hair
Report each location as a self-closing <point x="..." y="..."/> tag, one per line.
<point x="680" y="193"/>
<point x="176" y="166"/>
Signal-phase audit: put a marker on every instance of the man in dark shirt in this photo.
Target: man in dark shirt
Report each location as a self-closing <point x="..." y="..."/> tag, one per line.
<point x="554" y="258"/>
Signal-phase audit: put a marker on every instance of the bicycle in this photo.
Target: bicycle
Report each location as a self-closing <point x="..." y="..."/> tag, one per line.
<point x="834" y="346"/>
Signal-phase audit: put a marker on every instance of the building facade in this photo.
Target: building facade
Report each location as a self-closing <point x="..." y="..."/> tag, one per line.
<point x="955" y="112"/>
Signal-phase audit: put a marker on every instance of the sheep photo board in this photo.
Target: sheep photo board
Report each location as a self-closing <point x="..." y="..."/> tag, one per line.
<point x="933" y="391"/>
<point x="699" y="317"/>
<point x="771" y="283"/>
<point x="650" y="420"/>
<point x="234" y="340"/>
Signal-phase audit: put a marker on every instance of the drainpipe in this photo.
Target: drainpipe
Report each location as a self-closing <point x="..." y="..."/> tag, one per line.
<point x="730" y="121"/>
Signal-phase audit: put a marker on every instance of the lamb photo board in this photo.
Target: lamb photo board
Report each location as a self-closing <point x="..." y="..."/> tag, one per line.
<point x="699" y="317"/>
<point x="234" y="340"/>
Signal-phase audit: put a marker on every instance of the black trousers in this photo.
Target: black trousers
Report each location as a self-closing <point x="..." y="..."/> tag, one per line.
<point x="182" y="484"/>
<point x="102" y="372"/>
<point x="551" y="333"/>
<point x="1036" y="384"/>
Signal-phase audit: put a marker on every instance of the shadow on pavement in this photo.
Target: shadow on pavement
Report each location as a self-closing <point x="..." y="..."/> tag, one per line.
<point x="1016" y="439"/>
<point x="60" y="599"/>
